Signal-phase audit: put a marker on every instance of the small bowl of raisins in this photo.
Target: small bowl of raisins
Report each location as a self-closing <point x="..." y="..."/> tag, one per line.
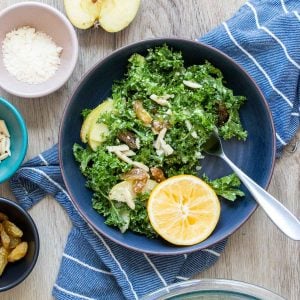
<point x="19" y="244"/>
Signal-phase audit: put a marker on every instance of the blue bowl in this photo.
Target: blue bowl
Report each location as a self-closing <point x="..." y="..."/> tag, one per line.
<point x="255" y="156"/>
<point x="18" y="139"/>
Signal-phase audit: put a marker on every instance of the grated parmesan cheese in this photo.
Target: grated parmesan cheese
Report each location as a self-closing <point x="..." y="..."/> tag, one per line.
<point x="29" y="55"/>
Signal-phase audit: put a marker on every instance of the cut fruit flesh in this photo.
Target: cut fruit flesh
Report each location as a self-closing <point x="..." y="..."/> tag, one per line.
<point x="97" y="135"/>
<point x="112" y="15"/>
<point x="123" y="192"/>
<point x="183" y="210"/>
<point x="90" y="125"/>
<point x="82" y="13"/>
<point x="118" y="14"/>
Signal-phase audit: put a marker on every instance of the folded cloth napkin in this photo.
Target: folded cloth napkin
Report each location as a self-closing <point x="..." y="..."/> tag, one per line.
<point x="264" y="38"/>
<point x="92" y="266"/>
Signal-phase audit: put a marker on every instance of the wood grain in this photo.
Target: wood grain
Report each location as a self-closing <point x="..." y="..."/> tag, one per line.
<point x="258" y="253"/>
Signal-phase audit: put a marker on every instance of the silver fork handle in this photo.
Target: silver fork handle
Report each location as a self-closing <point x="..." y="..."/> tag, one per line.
<point x="279" y="214"/>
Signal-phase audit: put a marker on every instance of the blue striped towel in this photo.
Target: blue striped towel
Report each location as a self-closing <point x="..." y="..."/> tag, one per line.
<point x="264" y="38"/>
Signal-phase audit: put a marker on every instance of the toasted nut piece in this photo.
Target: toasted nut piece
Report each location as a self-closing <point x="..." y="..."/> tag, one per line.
<point x="141" y="113"/>
<point x="3" y="217"/>
<point x="14" y="242"/>
<point x="157" y="174"/>
<point x="12" y="229"/>
<point x="5" y="239"/>
<point x="3" y="259"/>
<point x="18" y="253"/>
<point x="128" y="138"/>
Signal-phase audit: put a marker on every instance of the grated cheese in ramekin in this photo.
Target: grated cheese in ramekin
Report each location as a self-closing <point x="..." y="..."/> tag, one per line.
<point x="29" y="55"/>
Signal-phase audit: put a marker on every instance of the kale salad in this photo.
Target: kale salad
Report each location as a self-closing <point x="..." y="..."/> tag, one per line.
<point x="153" y="127"/>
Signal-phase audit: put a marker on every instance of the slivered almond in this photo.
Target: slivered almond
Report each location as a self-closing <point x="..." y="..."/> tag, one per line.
<point x="140" y="165"/>
<point x="4" y="141"/>
<point x="123" y="157"/>
<point x="188" y="125"/>
<point x="192" y="84"/>
<point x="3" y="128"/>
<point x="160" y="144"/>
<point x="7" y="148"/>
<point x="161" y="100"/>
<point x="168" y="150"/>
<point x="160" y="137"/>
<point x="121" y="148"/>
<point x="138" y="143"/>
<point x="3" y="156"/>
<point x="194" y="134"/>
<point x="129" y="153"/>
<point x="2" y="146"/>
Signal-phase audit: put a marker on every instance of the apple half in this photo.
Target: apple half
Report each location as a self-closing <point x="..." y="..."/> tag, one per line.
<point x="111" y="15"/>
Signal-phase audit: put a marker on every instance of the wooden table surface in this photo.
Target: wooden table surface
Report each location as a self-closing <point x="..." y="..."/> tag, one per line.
<point x="258" y="253"/>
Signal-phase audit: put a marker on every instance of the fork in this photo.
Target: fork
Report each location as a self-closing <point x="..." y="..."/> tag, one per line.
<point x="278" y="213"/>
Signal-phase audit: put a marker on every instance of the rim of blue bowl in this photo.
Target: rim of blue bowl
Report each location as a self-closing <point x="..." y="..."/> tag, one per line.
<point x="36" y="240"/>
<point x="23" y="127"/>
<point x="179" y="250"/>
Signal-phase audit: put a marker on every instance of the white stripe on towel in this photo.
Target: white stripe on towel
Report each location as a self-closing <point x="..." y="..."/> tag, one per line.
<point x="283" y="6"/>
<point x="257" y="64"/>
<point x="272" y="35"/>
<point x="113" y="256"/>
<point x="294" y="114"/>
<point x="43" y="160"/>
<point x="85" y="265"/>
<point x="280" y="139"/>
<point x="182" y="278"/>
<point x="297" y="15"/>
<point x="211" y="252"/>
<point x="96" y="233"/>
<point x="155" y="269"/>
<point x="71" y="293"/>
